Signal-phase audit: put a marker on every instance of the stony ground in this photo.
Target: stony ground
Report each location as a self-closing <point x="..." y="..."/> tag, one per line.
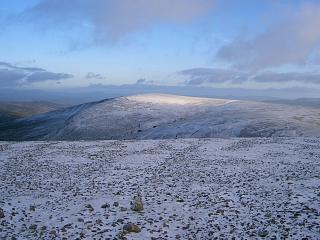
<point x="191" y="189"/>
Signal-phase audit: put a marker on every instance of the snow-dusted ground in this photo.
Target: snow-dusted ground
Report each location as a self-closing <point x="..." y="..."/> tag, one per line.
<point x="192" y="189"/>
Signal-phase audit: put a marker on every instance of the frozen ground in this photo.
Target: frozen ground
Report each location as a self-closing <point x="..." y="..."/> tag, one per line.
<point x="191" y="189"/>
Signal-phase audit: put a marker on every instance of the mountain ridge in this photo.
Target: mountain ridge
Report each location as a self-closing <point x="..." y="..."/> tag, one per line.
<point x="163" y="116"/>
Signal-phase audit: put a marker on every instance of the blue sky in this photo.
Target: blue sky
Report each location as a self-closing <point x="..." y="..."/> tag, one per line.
<point x="214" y="43"/>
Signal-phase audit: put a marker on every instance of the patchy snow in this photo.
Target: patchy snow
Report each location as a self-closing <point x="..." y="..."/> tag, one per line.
<point x="191" y="189"/>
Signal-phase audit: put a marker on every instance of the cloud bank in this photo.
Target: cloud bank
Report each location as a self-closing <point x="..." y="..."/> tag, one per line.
<point x="114" y="19"/>
<point x="200" y="76"/>
<point x="13" y="76"/>
<point x="293" y="40"/>
<point x="271" y="77"/>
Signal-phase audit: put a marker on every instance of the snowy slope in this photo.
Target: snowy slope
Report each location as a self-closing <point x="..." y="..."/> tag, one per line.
<point x="159" y="116"/>
<point x="265" y="188"/>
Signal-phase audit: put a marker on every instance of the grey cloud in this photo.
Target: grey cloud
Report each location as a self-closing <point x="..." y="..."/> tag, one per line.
<point x="91" y="75"/>
<point x="198" y="76"/>
<point x="46" y="76"/>
<point x="12" y="75"/>
<point x="32" y="69"/>
<point x="5" y="64"/>
<point x="292" y="40"/>
<point x="12" y="66"/>
<point x="141" y="81"/>
<point x="144" y="81"/>
<point x="113" y="19"/>
<point x="271" y="77"/>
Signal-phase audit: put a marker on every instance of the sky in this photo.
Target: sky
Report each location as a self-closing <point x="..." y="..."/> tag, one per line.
<point x="252" y="44"/>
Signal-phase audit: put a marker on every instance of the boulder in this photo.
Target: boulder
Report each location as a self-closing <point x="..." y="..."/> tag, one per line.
<point x="131" y="228"/>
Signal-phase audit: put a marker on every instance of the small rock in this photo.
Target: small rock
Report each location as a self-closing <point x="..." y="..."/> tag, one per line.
<point x="1" y="213"/>
<point x="186" y="227"/>
<point x="99" y="222"/>
<point x="32" y="208"/>
<point x="123" y="209"/>
<point x="131" y="228"/>
<point x="43" y="228"/>
<point x="137" y="204"/>
<point x="166" y="224"/>
<point x="54" y="233"/>
<point x="106" y="205"/>
<point x="263" y="233"/>
<point x="33" y="227"/>
<point x="120" y="220"/>
<point x="116" y="204"/>
<point x="121" y="235"/>
<point x="67" y="226"/>
<point x="90" y="208"/>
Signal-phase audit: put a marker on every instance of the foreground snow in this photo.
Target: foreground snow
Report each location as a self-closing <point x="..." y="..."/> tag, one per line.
<point x="191" y="189"/>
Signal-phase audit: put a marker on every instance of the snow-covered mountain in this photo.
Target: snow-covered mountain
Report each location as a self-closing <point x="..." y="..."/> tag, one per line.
<point x="161" y="116"/>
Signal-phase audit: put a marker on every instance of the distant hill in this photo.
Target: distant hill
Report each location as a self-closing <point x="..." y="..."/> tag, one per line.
<point x="306" y="102"/>
<point x="4" y="117"/>
<point x="26" y="109"/>
<point x="161" y="116"/>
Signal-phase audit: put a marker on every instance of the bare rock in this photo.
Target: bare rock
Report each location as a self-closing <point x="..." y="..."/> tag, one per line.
<point x="263" y="233"/>
<point x="89" y="207"/>
<point x="32" y="208"/>
<point x="131" y="228"/>
<point x="1" y="213"/>
<point x="137" y="204"/>
<point x="106" y="205"/>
